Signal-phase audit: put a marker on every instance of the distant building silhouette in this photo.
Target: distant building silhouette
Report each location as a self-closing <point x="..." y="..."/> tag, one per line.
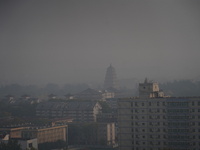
<point x="111" y="78"/>
<point x="149" y="90"/>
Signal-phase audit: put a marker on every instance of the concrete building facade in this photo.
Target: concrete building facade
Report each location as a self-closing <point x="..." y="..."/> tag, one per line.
<point x="46" y="134"/>
<point x="78" y="110"/>
<point x="159" y="123"/>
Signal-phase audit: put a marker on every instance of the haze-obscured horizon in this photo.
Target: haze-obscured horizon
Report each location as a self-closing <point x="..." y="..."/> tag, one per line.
<point x="75" y="41"/>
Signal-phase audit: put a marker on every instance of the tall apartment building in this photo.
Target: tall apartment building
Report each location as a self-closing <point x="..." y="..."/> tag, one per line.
<point x="153" y="122"/>
<point x="156" y="122"/>
<point x="159" y="123"/>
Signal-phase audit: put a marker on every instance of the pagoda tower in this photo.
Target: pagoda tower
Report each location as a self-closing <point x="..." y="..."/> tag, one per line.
<point x="111" y="78"/>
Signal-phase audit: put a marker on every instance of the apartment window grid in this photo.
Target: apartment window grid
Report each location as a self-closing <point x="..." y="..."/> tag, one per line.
<point x="166" y="120"/>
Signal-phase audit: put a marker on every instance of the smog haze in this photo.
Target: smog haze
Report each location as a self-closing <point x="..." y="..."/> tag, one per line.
<point x="75" y="41"/>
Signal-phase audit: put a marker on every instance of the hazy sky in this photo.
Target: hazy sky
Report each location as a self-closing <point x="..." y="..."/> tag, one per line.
<point x="65" y="41"/>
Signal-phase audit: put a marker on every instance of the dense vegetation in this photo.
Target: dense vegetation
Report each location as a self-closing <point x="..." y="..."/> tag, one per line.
<point x="82" y="134"/>
<point x="181" y="88"/>
<point x="11" y="145"/>
<point x="53" y="145"/>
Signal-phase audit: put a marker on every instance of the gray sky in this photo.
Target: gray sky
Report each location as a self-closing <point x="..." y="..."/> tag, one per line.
<point x="76" y="40"/>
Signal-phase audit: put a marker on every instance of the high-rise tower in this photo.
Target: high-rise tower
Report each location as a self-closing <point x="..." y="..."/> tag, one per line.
<point x="111" y="78"/>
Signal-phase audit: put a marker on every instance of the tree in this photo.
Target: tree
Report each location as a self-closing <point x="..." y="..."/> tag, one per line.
<point x="11" y="145"/>
<point x="105" y="107"/>
<point x="52" y="145"/>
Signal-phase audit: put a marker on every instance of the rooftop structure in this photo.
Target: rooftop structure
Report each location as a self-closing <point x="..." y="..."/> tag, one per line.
<point x="149" y="89"/>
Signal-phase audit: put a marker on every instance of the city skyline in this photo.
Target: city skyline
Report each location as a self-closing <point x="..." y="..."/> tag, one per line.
<point x="75" y="41"/>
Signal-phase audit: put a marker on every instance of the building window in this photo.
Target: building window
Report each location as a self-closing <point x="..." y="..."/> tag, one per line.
<point x="149" y="103"/>
<point x="30" y="145"/>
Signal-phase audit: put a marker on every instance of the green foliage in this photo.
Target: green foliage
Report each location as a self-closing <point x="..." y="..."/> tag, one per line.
<point x="52" y="145"/>
<point x="22" y="110"/>
<point x="11" y="145"/>
<point x="181" y="88"/>
<point x="105" y="107"/>
<point x="82" y="134"/>
<point x="32" y="148"/>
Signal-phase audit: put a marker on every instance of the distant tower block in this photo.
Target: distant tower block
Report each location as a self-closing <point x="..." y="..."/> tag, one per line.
<point x="111" y="78"/>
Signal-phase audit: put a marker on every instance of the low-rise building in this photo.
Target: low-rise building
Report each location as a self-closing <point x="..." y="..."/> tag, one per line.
<point x="14" y="132"/>
<point x="83" y="111"/>
<point x="78" y="110"/>
<point x="46" y="134"/>
<point x="28" y="144"/>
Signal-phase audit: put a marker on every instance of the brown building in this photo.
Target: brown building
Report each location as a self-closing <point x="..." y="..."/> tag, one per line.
<point x="14" y="132"/>
<point x="46" y="134"/>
